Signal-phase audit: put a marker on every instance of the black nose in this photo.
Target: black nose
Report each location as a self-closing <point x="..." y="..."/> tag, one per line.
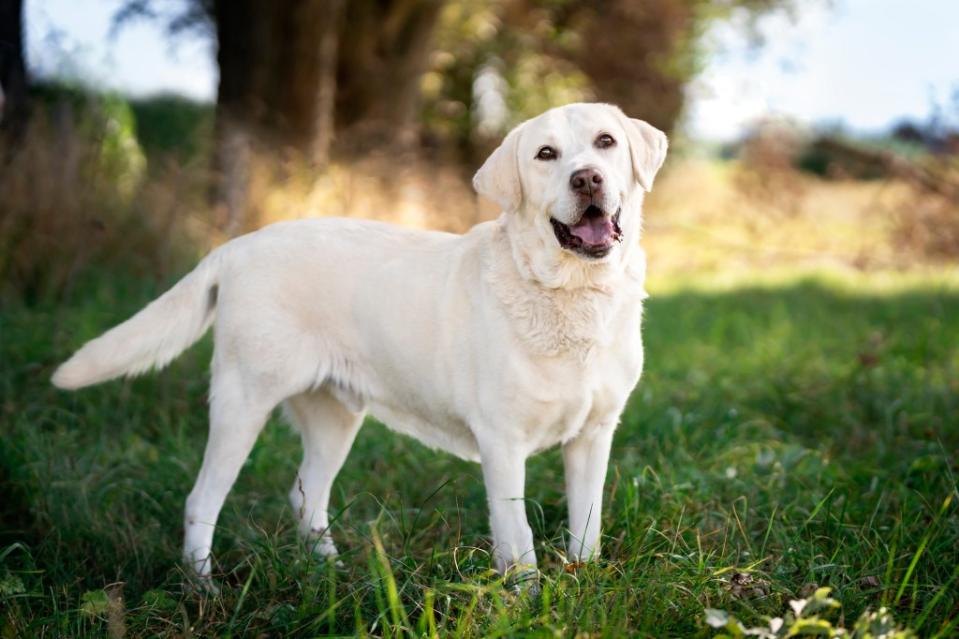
<point x="586" y="181"/>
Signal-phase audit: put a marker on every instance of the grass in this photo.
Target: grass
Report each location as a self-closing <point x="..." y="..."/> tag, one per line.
<point x="804" y="434"/>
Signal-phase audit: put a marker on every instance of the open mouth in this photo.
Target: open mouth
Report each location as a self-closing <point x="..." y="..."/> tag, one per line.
<point x="593" y="235"/>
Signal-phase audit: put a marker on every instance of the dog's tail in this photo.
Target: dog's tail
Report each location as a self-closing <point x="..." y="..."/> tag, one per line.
<point x="153" y="337"/>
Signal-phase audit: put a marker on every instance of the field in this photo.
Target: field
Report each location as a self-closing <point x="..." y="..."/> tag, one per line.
<point x="788" y="433"/>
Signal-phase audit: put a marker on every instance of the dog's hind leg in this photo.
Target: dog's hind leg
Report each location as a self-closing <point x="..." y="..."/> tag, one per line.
<point x="328" y="429"/>
<point x="235" y="422"/>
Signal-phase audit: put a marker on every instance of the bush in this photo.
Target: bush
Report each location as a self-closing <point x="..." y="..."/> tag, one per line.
<point x="169" y="124"/>
<point x="74" y="194"/>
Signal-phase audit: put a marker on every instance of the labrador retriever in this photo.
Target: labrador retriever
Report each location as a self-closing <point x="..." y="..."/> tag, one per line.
<point x="521" y="334"/>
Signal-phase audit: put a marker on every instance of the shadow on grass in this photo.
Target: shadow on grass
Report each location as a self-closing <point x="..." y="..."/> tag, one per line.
<point x="801" y="434"/>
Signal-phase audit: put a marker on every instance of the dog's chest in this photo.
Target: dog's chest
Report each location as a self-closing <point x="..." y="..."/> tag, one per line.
<point x="556" y="397"/>
<point x="559" y="323"/>
<point x="573" y="355"/>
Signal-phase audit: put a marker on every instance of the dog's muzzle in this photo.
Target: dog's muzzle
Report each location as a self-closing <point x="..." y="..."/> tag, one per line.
<point x="593" y="235"/>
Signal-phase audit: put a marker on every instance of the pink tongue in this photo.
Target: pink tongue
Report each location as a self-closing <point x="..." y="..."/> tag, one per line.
<point x="594" y="231"/>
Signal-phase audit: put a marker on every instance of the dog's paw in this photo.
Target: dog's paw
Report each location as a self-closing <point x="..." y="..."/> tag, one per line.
<point x="523" y="580"/>
<point x="323" y="546"/>
<point x="203" y="586"/>
<point x="198" y="577"/>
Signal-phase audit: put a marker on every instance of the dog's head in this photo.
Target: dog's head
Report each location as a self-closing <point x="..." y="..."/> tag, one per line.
<point x="575" y="176"/>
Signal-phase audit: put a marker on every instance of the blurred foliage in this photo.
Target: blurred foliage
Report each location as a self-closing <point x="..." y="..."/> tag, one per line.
<point x="105" y="120"/>
<point x="486" y="75"/>
<point x="440" y="78"/>
<point x="78" y="196"/>
<point x="806" y="618"/>
<point x="780" y="166"/>
<point x="120" y="156"/>
<point x="178" y="16"/>
<point x="534" y="54"/>
<point x="639" y="55"/>
<point x="172" y="124"/>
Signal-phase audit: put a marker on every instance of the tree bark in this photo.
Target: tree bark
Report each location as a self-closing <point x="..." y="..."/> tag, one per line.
<point x="14" y="97"/>
<point x="276" y="91"/>
<point x="267" y="56"/>
<point x="325" y="94"/>
<point x="638" y="55"/>
<point x="294" y="71"/>
<point x="384" y="51"/>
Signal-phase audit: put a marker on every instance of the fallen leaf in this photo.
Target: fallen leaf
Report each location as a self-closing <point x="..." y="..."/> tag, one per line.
<point x="743" y="584"/>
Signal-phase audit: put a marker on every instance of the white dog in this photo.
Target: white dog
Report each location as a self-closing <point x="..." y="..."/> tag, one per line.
<point x="519" y="335"/>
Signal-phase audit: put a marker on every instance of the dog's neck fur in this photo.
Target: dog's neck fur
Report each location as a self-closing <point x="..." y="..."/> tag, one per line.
<point x="560" y="302"/>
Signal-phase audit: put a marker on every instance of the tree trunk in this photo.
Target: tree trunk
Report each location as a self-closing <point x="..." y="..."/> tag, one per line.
<point x="383" y="52"/>
<point x="14" y="89"/>
<point x="235" y="108"/>
<point x="291" y="70"/>
<point x="638" y="55"/>
<point x="276" y="90"/>
<point x="325" y="94"/>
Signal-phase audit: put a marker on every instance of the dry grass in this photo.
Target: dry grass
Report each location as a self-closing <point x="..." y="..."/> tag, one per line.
<point x="705" y="217"/>
<point x="930" y="227"/>
<point x="414" y="193"/>
<point x="69" y="207"/>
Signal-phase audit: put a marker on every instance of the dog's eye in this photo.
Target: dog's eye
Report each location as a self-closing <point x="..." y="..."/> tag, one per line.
<point x="547" y="153"/>
<point x="604" y="141"/>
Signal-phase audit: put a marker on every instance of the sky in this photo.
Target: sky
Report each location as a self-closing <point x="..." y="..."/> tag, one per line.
<point x="864" y="64"/>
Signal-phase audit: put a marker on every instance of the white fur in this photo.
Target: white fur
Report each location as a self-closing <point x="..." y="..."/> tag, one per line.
<point x="492" y="345"/>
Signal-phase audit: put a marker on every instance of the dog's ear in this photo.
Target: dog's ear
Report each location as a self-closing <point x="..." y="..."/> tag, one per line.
<point x="647" y="148"/>
<point x="498" y="178"/>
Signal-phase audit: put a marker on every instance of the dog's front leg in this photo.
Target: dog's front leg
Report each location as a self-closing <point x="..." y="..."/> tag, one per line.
<point x="504" y="472"/>
<point x="586" y="458"/>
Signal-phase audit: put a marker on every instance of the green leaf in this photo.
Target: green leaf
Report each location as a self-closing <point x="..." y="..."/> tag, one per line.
<point x="11" y="585"/>
<point x="159" y="599"/>
<point x="94" y="603"/>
